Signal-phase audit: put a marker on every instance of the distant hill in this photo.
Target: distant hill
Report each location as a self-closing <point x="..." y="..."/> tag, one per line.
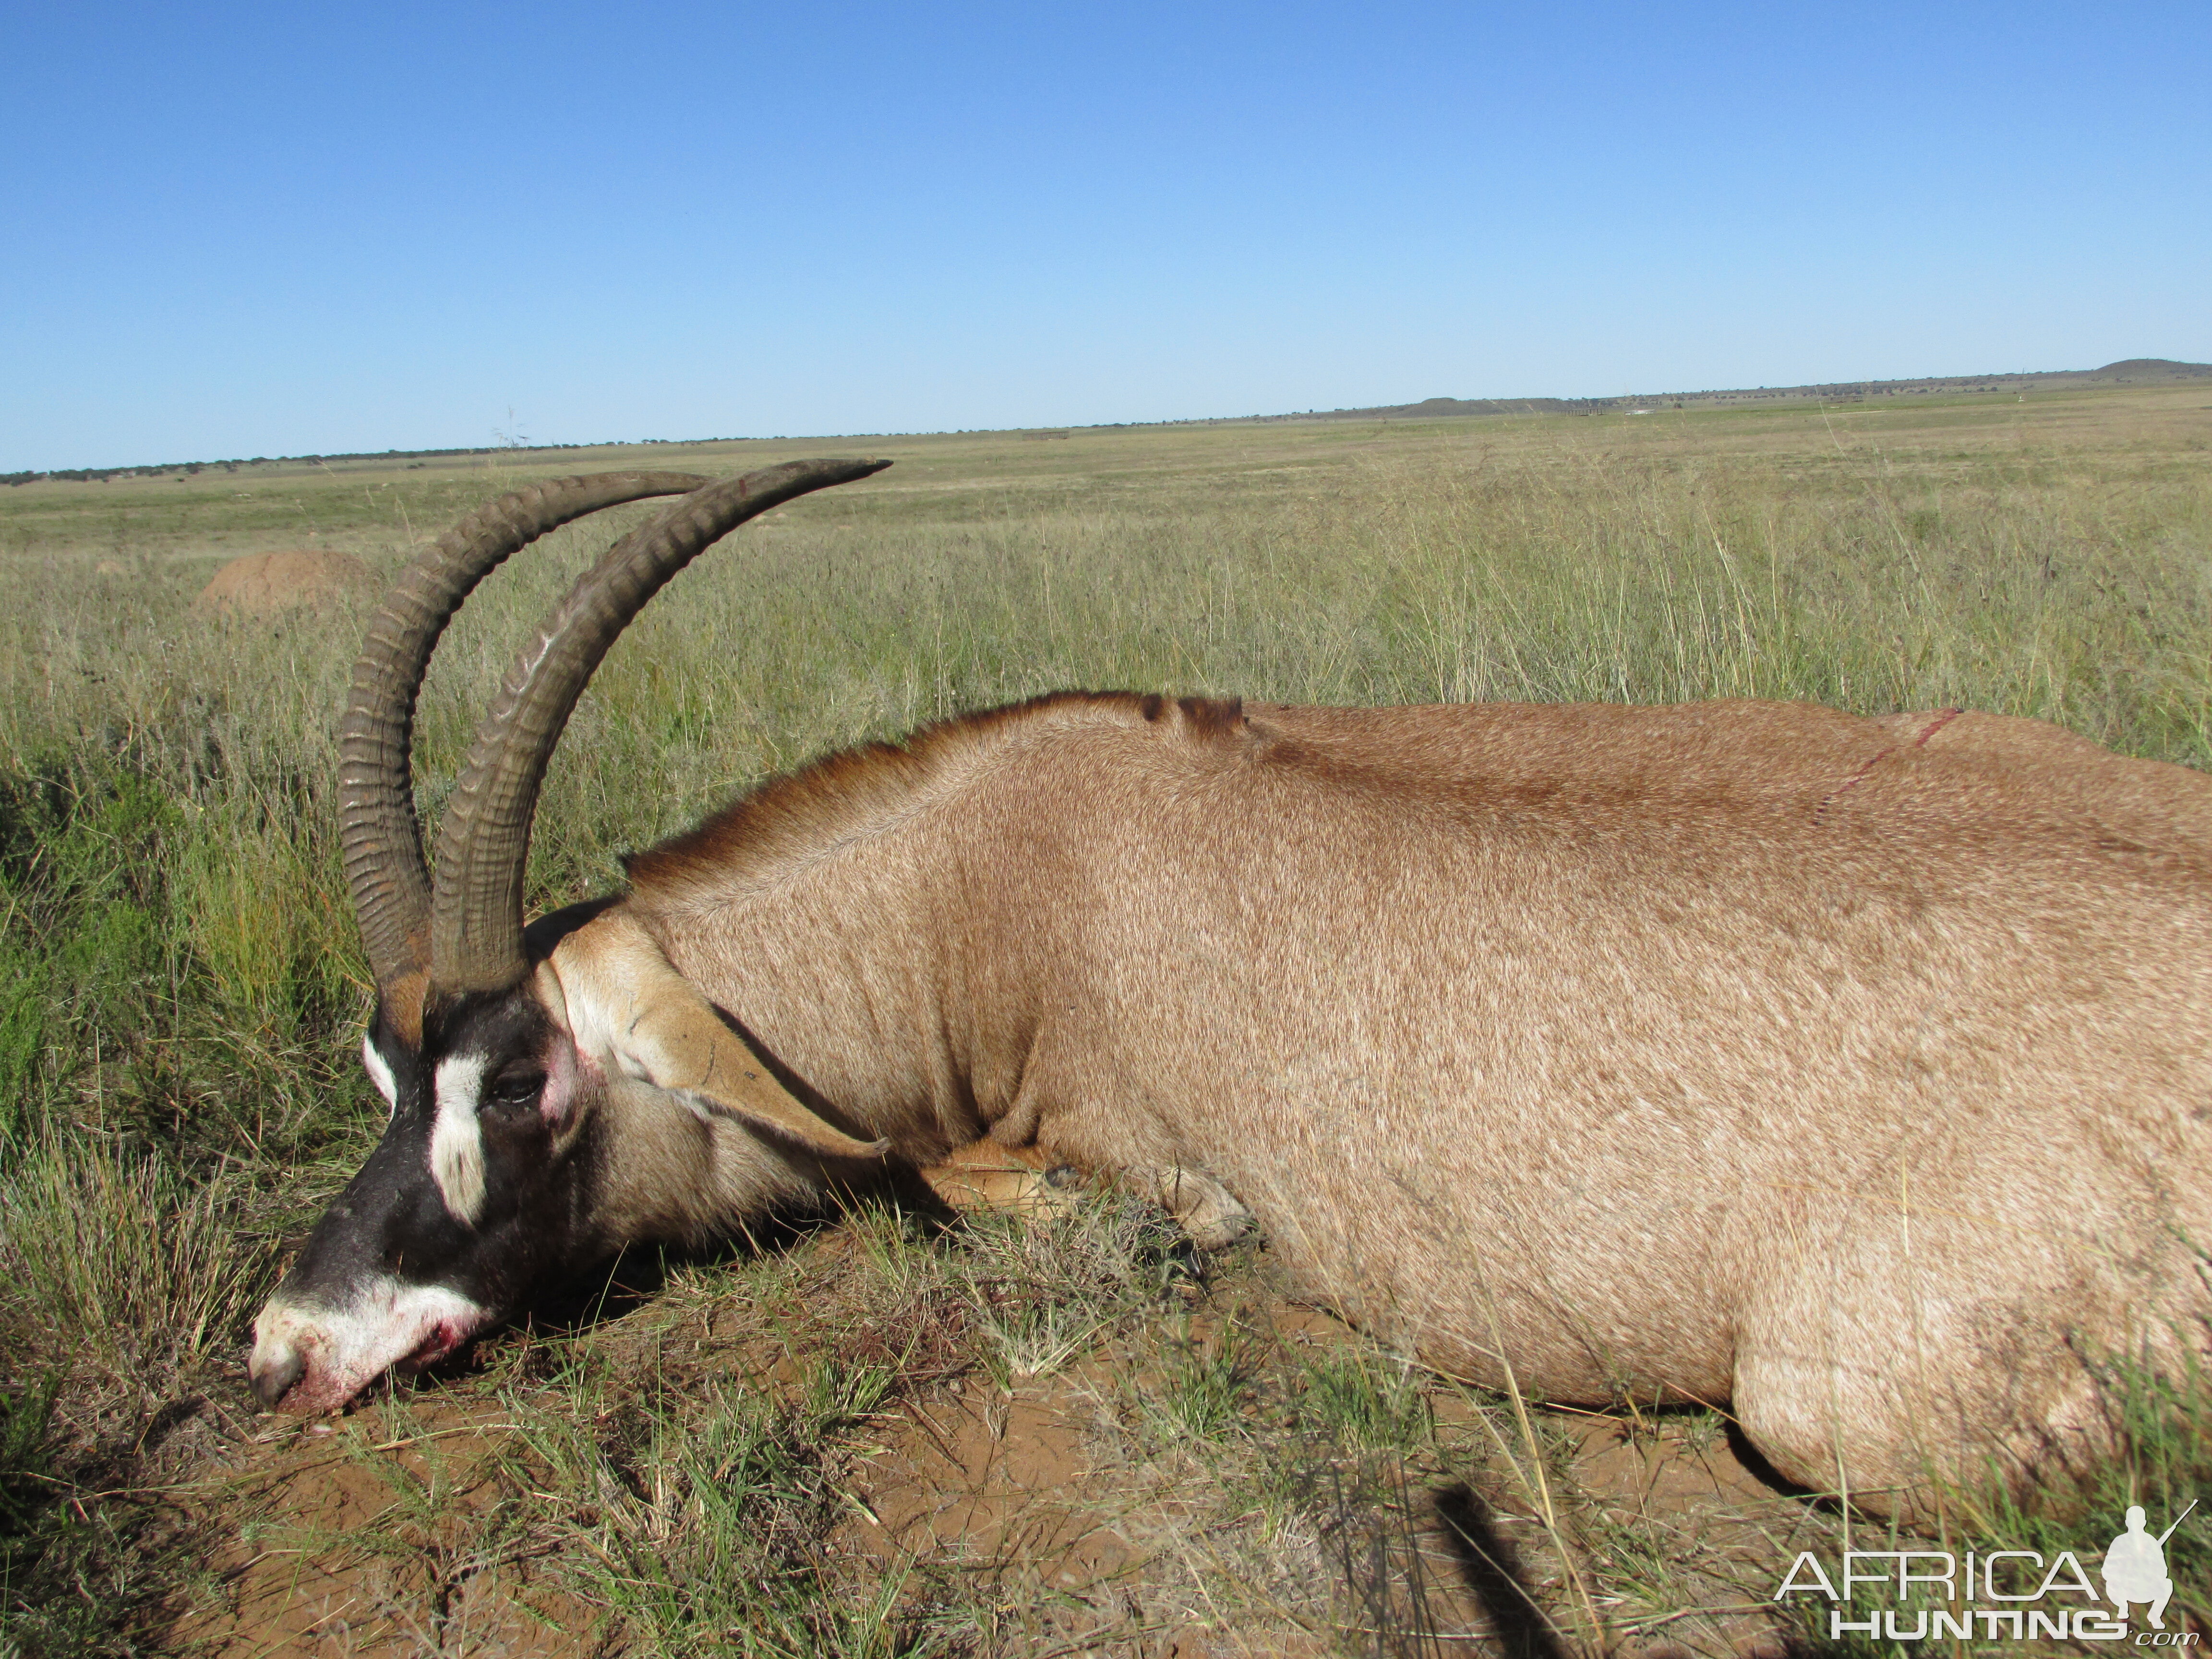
<point x="2133" y="371"/>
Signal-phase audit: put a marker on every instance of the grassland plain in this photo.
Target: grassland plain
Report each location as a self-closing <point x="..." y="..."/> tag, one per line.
<point x="875" y="1433"/>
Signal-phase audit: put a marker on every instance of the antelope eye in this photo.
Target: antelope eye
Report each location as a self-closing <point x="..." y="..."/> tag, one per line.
<point x="515" y="1091"/>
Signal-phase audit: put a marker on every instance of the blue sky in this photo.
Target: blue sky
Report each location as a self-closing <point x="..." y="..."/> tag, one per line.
<point x="246" y="230"/>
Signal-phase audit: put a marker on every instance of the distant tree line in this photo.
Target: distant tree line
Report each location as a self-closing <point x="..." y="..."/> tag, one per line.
<point x="102" y="474"/>
<point x="2124" y="373"/>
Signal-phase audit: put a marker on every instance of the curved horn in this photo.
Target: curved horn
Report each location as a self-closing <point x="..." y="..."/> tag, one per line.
<point x="476" y="914"/>
<point x="382" y="843"/>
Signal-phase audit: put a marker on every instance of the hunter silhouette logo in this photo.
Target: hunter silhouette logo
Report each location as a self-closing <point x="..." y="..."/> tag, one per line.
<point x="2135" y="1567"/>
<point x="1999" y="1596"/>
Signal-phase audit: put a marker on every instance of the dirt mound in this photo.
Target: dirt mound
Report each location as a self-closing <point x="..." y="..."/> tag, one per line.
<point x="292" y="578"/>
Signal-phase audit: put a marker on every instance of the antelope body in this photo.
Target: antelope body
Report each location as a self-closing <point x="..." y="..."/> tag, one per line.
<point x="1850" y="1072"/>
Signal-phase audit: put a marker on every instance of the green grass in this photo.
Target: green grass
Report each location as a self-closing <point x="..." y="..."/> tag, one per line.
<point x="180" y="990"/>
<point x="1044" y="1293"/>
<point x="709" y="1534"/>
<point x="1362" y="1399"/>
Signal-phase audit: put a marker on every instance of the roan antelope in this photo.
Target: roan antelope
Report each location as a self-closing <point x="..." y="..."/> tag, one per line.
<point x="1852" y="1073"/>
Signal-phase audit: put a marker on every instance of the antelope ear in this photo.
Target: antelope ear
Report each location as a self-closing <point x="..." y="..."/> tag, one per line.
<point x="624" y="1000"/>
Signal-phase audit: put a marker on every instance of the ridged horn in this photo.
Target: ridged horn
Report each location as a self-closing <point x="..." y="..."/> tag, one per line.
<point x="475" y="911"/>
<point x="380" y="840"/>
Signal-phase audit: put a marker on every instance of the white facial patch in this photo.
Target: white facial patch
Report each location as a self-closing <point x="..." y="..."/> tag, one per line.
<point x="341" y="1351"/>
<point x="380" y="1075"/>
<point x="456" y="1156"/>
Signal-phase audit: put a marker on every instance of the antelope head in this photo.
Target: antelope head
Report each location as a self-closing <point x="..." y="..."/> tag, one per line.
<point x="511" y="1058"/>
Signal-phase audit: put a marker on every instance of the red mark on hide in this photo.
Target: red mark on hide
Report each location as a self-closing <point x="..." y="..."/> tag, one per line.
<point x="1942" y="720"/>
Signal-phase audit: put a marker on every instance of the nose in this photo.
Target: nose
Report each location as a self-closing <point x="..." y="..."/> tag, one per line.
<point x="275" y="1368"/>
